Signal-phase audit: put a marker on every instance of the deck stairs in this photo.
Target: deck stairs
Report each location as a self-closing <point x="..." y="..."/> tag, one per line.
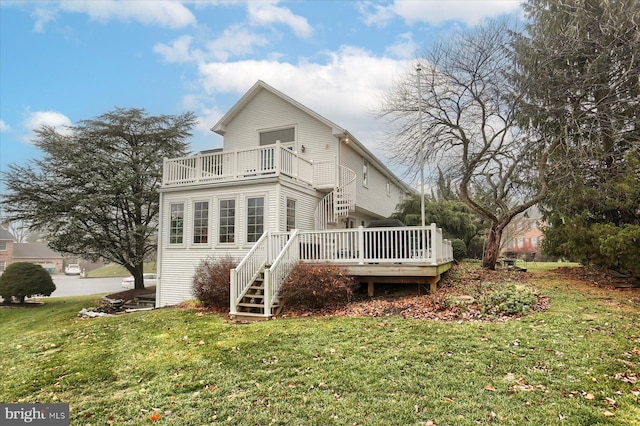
<point x="252" y="303"/>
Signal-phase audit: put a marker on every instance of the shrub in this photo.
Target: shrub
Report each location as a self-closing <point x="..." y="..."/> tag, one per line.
<point x="23" y="279"/>
<point x="316" y="286"/>
<point x="506" y="299"/>
<point x="212" y="281"/>
<point x="459" y="249"/>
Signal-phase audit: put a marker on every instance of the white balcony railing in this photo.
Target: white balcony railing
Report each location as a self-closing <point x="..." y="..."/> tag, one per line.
<point x="233" y="166"/>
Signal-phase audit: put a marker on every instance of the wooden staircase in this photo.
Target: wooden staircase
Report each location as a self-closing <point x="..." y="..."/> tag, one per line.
<point x="251" y="307"/>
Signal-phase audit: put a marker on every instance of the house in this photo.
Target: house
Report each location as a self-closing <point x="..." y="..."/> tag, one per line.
<point x="522" y="238"/>
<point x="38" y="253"/>
<point x="288" y="185"/>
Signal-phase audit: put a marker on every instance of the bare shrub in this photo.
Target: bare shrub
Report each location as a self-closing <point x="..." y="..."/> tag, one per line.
<point x="316" y="286"/>
<point x="211" y="281"/>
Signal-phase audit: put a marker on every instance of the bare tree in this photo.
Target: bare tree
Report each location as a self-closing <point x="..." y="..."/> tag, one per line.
<point x="468" y="106"/>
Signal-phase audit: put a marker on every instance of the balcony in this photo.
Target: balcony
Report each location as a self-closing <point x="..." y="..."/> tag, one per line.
<point x="250" y="164"/>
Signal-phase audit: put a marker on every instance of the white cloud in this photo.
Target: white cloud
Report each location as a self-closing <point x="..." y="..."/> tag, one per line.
<point x="37" y="119"/>
<point x="4" y="127"/>
<point x="267" y="13"/>
<point x="376" y="15"/>
<point x="167" y="13"/>
<point x="345" y="89"/>
<point x="470" y="12"/>
<point x="42" y="16"/>
<point x="235" y="41"/>
<point x="179" y="50"/>
<point x="405" y="47"/>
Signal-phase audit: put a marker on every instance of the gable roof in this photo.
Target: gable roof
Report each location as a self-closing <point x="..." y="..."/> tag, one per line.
<point x="34" y="251"/>
<point x="221" y="126"/>
<point x="339" y="132"/>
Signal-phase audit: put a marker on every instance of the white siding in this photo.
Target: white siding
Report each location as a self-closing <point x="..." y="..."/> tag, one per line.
<point x="306" y="202"/>
<point x="267" y="111"/>
<point x="178" y="262"/>
<point x="373" y="197"/>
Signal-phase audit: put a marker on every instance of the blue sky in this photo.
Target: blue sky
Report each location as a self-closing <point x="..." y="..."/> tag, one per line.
<point x="65" y="61"/>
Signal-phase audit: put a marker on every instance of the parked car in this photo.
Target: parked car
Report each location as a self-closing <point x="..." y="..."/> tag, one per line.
<point x="72" y="269"/>
<point x="149" y="280"/>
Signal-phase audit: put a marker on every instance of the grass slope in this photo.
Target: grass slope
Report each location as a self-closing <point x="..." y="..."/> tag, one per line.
<point x="575" y="364"/>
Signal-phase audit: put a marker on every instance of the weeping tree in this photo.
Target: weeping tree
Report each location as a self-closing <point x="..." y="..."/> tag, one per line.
<point x="459" y="111"/>
<point x="95" y="191"/>
<point x="585" y="54"/>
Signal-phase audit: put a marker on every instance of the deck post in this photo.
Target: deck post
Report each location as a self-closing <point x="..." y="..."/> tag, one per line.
<point x="433" y="283"/>
<point x="361" y="245"/>
<point x="277" y="158"/>
<point x="232" y="292"/>
<point x="370" y="288"/>
<point x="267" y="292"/>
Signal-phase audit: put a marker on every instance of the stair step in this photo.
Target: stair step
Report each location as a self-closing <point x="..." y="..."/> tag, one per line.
<point x="251" y="305"/>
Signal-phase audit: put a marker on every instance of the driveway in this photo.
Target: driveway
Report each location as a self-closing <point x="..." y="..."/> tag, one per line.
<point x="74" y="285"/>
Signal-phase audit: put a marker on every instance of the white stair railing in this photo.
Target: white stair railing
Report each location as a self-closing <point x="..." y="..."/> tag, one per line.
<point x="339" y="202"/>
<point x="279" y="270"/>
<point x="247" y="270"/>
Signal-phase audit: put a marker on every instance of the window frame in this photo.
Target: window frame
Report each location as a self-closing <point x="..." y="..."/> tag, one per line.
<point x="253" y="236"/>
<point x="196" y="226"/>
<point x="365" y="173"/>
<point x="179" y="224"/>
<point x="227" y="226"/>
<point x="288" y="225"/>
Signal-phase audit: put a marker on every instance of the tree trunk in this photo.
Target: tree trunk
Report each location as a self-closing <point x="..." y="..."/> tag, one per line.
<point x="492" y="249"/>
<point x="138" y="276"/>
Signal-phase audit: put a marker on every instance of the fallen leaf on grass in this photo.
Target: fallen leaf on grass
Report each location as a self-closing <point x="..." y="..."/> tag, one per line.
<point x="489" y="388"/>
<point x="611" y="401"/>
<point x="608" y="414"/>
<point x="155" y="417"/>
<point x="447" y="399"/>
<point x="589" y="396"/>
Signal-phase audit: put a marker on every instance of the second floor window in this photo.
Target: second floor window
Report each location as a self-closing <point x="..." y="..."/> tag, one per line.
<point x="201" y="222"/>
<point x="255" y="218"/>
<point x="365" y="173"/>
<point x="227" y="221"/>
<point x="176" y="223"/>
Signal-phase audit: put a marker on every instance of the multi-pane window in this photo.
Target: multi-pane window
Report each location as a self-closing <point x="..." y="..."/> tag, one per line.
<point x="388" y="189"/>
<point x="365" y="173"/>
<point x="227" y="221"/>
<point x="176" y="224"/>
<point x="255" y="218"/>
<point x="201" y="222"/>
<point x="3" y="245"/>
<point x="291" y="214"/>
<point x="3" y="265"/>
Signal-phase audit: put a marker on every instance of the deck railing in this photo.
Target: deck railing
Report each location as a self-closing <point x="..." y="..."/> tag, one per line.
<point x="423" y="245"/>
<point x="264" y="161"/>
<point x="276" y="253"/>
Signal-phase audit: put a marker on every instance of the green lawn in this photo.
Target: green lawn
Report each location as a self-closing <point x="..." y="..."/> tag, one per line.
<point x="576" y="364"/>
<point x="114" y="270"/>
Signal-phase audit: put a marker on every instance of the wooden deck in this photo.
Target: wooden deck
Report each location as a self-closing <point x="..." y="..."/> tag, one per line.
<point x="393" y="273"/>
<point x="402" y="255"/>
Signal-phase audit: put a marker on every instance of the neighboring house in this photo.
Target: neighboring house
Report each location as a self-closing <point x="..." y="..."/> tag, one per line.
<point x="37" y="253"/>
<point x="522" y="238"/>
<point x="6" y="248"/>
<point x="282" y="167"/>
